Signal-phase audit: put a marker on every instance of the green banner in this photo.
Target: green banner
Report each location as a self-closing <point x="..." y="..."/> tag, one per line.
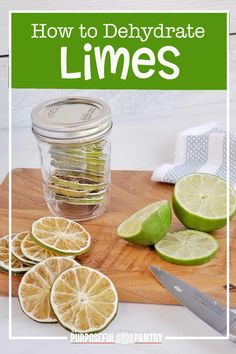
<point x="167" y="51"/>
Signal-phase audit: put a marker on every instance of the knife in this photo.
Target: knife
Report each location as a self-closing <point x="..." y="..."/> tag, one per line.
<point x="200" y="304"/>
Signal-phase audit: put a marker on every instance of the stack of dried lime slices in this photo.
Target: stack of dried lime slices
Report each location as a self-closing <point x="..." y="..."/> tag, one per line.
<point x="17" y="266"/>
<point x="49" y="236"/>
<point x="55" y="287"/>
<point x="80" y="174"/>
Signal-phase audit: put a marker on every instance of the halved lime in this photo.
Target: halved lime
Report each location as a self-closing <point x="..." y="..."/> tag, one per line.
<point x="35" y="287"/>
<point x="84" y="300"/>
<point x="187" y="247"/>
<point x="16" y="248"/>
<point x="17" y="267"/>
<point x="61" y="236"/>
<point x="148" y="225"/>
<point x="199" y="202"/>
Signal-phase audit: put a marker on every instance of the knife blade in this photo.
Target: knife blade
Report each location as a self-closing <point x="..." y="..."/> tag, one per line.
<point x="206" y="308"/>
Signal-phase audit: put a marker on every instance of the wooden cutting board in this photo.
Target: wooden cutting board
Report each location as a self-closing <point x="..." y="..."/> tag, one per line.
<point x="124" y="263"/>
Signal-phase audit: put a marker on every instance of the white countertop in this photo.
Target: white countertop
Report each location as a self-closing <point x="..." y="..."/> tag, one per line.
<point x="136" y="144"/>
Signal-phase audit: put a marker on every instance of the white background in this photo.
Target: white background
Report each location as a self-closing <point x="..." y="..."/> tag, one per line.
<point x="145" y="125"/>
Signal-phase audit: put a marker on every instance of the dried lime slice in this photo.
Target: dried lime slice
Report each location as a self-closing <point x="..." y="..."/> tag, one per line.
<point x="100" y="145"/>
<point x="84" y="159"/>
<point x="33" y="251"/>
<point x="61" y="236"/>
<point x="87" y="153"/>
<point x="84" y="300"/>
<point x="17" y="267"/>
<point x="35" y="287"/>
<point x="95" y="194"/>
<point x="16" y="248"/>
<point x="68" y="192"/>
<point x="69" y="168"/>
<point x="80" y="201"/>
<point x="82" y="152"/>
<point x="79" y="185"/>
<point x="83" y="177"/>
<point x="62" y="191"/>
<point x="76" y="165"/>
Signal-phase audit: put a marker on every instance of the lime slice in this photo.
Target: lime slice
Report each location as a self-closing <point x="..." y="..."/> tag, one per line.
<point x="86" y="152"/>
<point x="35" y="287"/>
<point x="81" y="152"/>
<point x="16" y="248"/>
<point x="70" y="168"/>
<point x="84" y="159"/>
<point x="148" y="225"/>
<point x="81" y="185"/>
<point x="66" y="191"/>
<point x="17" y="267"/>
<point x="80" y="201"/>
<point x="188" y="247"/>
<point x="77" y="176"/>
<point x="72" y="193"/>
<point x="33" y="251"/>
<point x="75" y="164"/>
<point x="199" y="202"/>
<point x="61" y="236"/>
<point x="84" y="300"/>
<point x="100" y="145"/>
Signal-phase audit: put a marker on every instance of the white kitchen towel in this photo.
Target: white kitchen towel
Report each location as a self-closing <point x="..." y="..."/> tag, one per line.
<point x="200" y="149"/>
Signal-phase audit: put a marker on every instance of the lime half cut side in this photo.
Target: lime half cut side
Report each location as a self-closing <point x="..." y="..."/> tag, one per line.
<point x="187" y="247"/>
<point x="200" y="202"/>
<point x="148" y="225"/>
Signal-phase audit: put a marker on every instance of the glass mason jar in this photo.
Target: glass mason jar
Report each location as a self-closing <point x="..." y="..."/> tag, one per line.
<point x="73" y="140"/>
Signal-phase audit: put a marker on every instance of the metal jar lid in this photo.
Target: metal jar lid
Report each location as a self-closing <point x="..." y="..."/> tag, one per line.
<point x="71" y="120"/>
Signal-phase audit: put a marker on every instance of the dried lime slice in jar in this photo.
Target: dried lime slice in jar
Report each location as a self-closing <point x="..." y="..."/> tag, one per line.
<point x="78" y="158"/>
<point x="77" y="165"/>
<point x="79" y="184"/>
<point x="86" y="151"/>
<point x="80" y="201"/>
<point x="68" y="192"/>
<point x="80" y="175"/>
